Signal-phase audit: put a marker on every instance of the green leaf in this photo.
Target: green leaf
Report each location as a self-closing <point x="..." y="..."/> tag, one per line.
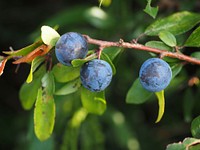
<point x="105" y="3"/>
<point x="34" y="65"/>
<point x="162" y="46"/>
<point x="177" y="23"/>
<point x="159" y="45"/>
<point x="196" y="55"/>
<point x="80" y="62"/>
<point x="152" y="11"/>
<point x="24" y="51"/>
<point x="187" y="144"/>
<point x="176" y="146"/>
<point x="176" y="69"/>
<point x="188" y="104"/>
<point x="93" y="102"/>
<point x="49" y="35"/>
<point x="107" y="59"/>
<point x="137" y="94"/>
<point x="194" y="38"/>
<point x="113" y="52"/>
<point x="28" y="91"/>
<point x="168" y="38"/>
<point x="48" y="83"/>
<point x="65" y="73"/>
<point x="69" y="88"/>
<point x="195" y="127"/>
<point x="161" y="104"/>
<point x="44" y="115"/>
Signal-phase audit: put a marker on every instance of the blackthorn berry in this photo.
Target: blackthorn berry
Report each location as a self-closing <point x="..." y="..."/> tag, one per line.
<point x="155" y="74"/>
<point x="96" y="75"/>
<point x="71" y="46"/>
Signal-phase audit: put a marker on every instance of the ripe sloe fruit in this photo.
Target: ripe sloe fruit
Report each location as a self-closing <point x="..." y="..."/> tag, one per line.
<point x="96" y="75"/>
<point x="155" y="74"/>
<point x="71" y="46"/>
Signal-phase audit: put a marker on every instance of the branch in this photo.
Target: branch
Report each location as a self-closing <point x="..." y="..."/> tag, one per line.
<point x="121" y="43"/>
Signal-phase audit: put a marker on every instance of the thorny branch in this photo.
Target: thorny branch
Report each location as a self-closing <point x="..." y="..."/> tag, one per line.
<point x="136" y="46"/>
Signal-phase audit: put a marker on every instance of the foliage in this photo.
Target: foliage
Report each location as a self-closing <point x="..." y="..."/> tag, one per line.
<point x="66" y="114"/>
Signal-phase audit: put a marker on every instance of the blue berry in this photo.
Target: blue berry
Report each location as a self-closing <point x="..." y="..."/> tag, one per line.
<point x="96" y="75"/>
<point x="71" y="46"/>
<point x="155" y="74"/>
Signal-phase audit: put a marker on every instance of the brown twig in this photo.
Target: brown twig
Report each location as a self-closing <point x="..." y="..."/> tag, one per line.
<point x="163" y="53"/>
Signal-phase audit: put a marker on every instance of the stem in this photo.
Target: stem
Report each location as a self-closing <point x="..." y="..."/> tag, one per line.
<point x="121" y="43"/>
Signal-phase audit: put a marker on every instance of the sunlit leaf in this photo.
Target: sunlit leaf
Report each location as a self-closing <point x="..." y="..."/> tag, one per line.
<point x="195" y="127"/>
<point x="49" y="35"/>
<point x="137" y="94"/>
<point x="69" y="87"/>
<point x="105" y="3"/>
<point x="177" y="23"/>
<point x="168" y="38"/>
<point x="194" y="38"/>
<point x="39" y="51"/>
<point x="93" y="102"/>
<point x="65" y="73"/>
<point x="34" y="65"/>
<point x="161" y="104"/>
<point x="48" y="83"/>
<point x="98" y="18"/>
<point x="152" y="11"/>
<point x="44" y="115"/>
<point x="28" y="91"/>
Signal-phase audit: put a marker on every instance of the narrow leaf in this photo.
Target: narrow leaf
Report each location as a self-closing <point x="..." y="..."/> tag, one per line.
<point x="49" y="35"/>
<point x="107" y="59"/>
<point x="137" y="94"/>
<point x="195" y="127"/>
<point x="65" y="73"/>
<point x="177" y="23"/>
<point x="69" y="88"/>
<point x="161" y="103"/>
<point x="113" y="52"/>
<point x="176" y="69"/>
<point x="44" y="115"/>
<point x="194" y="38"/>
<point x="93" y="102"/>
<point x="34" y="65"/>
<point x="168" y="38"/>
<point x="152" y="11"/>
<point x="188" y="104"/>
<point x="24" y="51"/>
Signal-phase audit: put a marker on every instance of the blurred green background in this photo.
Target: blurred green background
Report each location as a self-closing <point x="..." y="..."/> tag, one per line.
<point x="122" y="126"/>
